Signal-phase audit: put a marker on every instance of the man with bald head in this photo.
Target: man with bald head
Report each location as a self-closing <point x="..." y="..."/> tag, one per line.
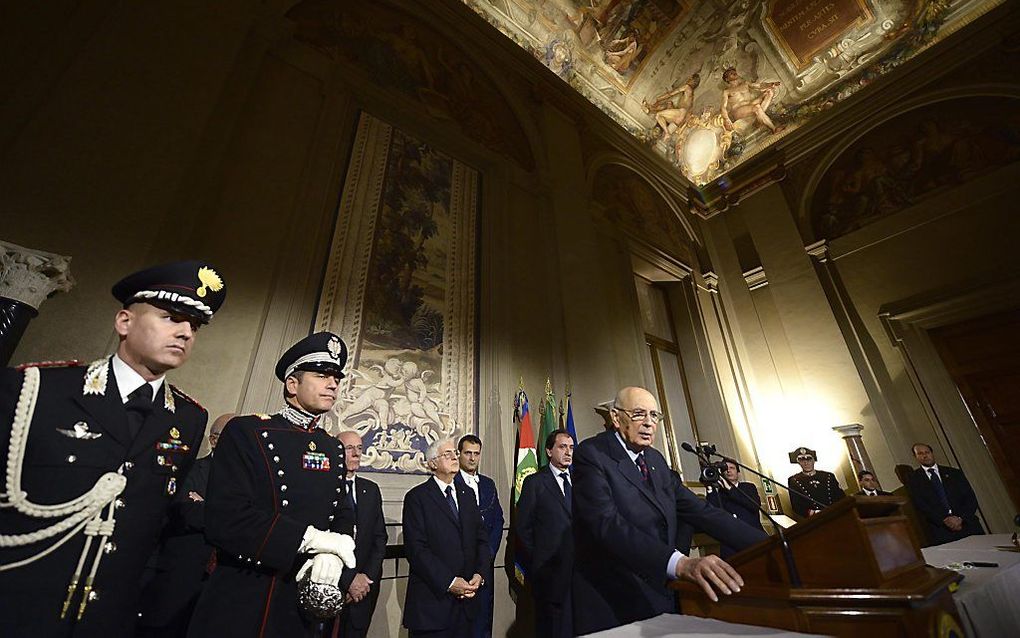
<point x="362" y="585"/>
<point x="629" y="510"/>
<point x="182" y="562"/>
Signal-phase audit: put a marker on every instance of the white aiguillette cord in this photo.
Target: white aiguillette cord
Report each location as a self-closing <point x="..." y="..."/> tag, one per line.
<point x="83" y="512"/>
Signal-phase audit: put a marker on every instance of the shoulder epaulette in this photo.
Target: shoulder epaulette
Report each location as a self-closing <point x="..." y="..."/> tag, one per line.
<point x="261" y="416"/>
<point x="184" y="396"/>
<point x="70" y="363"/>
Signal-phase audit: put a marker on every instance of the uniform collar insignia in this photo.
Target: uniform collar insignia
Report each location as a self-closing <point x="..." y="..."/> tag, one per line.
<point x="168" y="398"/>
<point x="96" y="377"/>
<point x="298" y="417"/>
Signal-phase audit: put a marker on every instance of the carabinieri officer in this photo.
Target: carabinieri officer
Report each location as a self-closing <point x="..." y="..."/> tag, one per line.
<point x="93" y="456"/>
<point x="275" y="508"/>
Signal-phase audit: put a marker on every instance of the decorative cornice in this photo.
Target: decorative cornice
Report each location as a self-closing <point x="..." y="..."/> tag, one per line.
<point x="711" y="281"/>
<point x="30" y="276"/>
<point x="755" y="278"/>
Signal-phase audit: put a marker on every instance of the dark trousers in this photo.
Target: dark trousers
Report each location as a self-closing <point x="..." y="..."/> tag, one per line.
<point x="554" y="619"/>
<point x="483" y="618"/>
<point x="460" y="627"/>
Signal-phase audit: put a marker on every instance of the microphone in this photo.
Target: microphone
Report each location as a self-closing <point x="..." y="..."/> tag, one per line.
<point x="784" y="545"/>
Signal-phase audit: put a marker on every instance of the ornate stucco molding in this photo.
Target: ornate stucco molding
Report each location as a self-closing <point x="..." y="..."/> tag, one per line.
<point x="30" y="276"/>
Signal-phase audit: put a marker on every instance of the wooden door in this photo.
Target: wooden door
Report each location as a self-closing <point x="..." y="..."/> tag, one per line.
<point x="983" y="357"/>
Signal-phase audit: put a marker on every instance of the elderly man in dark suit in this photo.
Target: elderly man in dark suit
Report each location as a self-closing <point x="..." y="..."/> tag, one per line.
<point x="362" y="584"/>
<point x="447" y="550"/>
<point x="944" y="498"/>
<point x="628" y="508"/>
<point x="546" y="538"/>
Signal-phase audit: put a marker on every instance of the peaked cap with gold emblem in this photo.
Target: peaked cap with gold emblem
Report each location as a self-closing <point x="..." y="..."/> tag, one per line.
<point x="802" y="451"/>
<point x="192" y="288"/>
<point x="318" y="352"/>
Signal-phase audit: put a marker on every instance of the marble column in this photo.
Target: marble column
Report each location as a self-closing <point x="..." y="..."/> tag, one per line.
<point x="859" y="458"/>
<point x="27" y="278"/>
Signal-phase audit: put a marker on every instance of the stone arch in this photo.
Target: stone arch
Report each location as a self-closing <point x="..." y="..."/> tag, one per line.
<point x="833" y="190"/>
<point x="640" y="208"/>
<point x="411" y="55"/>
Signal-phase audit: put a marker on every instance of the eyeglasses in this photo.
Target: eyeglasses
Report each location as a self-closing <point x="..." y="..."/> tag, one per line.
<point x="640" y="415"/>
<point x="449" y="454"/>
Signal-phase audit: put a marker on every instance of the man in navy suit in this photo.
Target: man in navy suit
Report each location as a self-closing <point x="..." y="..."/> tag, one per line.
<point x="484" y="489"/>
<point x="628" y="508"/>
<point x="546" y="539"/>
<point x="944" y="498"/>
<point x="362" y="584"/>
<point x="447" y="550"/>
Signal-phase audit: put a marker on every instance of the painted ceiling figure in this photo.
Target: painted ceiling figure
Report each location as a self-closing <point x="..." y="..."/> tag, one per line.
<point x="742" y="100"/>
<point x="666" y="112"/>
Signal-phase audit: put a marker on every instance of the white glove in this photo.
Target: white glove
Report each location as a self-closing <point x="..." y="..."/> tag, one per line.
<point x="325" y="568"/>
<point x="317" y="541"/>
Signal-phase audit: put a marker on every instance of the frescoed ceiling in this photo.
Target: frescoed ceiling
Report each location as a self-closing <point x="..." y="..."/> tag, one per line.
<point x="711" y="83"/>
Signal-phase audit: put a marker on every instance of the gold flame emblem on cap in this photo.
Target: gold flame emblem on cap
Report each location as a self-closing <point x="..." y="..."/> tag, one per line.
<point x="210" y="281"/>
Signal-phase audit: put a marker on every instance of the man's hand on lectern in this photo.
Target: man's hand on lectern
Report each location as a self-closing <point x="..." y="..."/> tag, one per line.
<point x="711" y="573"/>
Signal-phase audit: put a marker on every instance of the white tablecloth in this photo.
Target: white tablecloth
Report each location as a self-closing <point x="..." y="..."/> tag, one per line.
<point x="691" y="627"/>
<point x="989" y="597"/>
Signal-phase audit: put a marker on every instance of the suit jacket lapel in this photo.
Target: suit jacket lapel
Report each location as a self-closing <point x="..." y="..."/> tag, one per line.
<point x="630" y="471"/>
<point x="440" y="500"/>
<point x="552" y="484"/>
<point x="107" y="412"/>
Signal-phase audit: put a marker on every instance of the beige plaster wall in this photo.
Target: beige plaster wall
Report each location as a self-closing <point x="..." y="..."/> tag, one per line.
<point x="804" y="366"/>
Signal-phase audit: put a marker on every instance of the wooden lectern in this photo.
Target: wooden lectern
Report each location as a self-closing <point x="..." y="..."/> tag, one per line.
<point x="861" y="572"/>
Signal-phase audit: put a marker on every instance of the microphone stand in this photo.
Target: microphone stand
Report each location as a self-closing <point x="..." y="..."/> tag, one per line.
<point x="784" y="545"/>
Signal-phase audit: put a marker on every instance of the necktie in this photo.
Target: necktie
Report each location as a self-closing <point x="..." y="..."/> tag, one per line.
<point x="643" y="467"/>
<point x="350" y="496"/>
<point x="138" y="406"/>
<point x="940" y="489"/>
<point x="452" y="501"/>
<point x="567" y="491"/>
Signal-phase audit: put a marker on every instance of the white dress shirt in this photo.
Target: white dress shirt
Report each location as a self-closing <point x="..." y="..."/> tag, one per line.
<point x="128" y="380"/>
<point x="472" y="482"/>
<point x="557" y="474"/>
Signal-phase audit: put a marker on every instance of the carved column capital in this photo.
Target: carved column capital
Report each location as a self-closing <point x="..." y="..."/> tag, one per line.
<point x="819" y="250"/>
<point x="848" y="430"/>
<point x="30" y="276"/>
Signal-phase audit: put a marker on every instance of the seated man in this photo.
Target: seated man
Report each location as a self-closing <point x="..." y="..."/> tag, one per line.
<point x="819" y="485"/>
<point x="944" y="497"/>
<point x="869" y="485"/>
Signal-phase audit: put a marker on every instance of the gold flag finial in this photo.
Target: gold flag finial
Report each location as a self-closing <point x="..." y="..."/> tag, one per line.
<point x="548" y="386"/>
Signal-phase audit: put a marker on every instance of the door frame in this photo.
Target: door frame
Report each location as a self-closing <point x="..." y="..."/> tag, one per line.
<point x="907" y="324"/>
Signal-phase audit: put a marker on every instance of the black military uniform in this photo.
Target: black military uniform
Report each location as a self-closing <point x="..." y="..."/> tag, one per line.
<point x="111" y="469"/>
<point x="182" y="564"/>
<point x="272" y="477"/>
<point x="822" y="486"/>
